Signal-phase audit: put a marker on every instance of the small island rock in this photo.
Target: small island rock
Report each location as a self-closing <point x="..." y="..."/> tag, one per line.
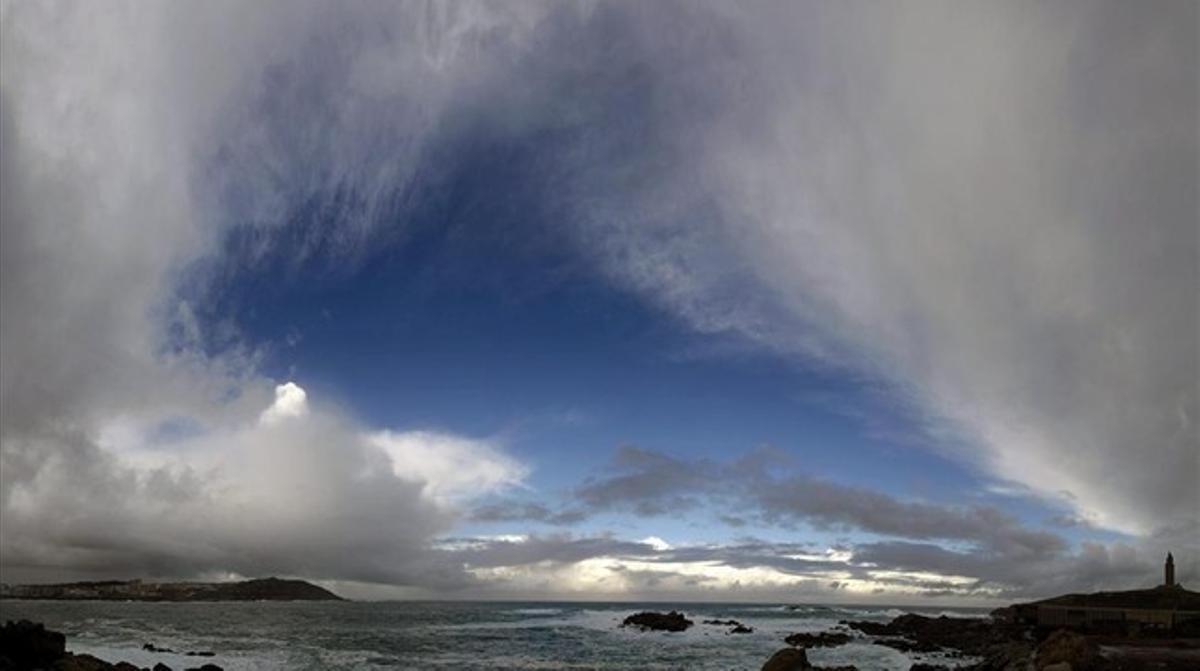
<point x="651" y="621"/>
<point x="823" y="639"/>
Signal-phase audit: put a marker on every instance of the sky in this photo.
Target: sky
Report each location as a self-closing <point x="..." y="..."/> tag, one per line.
<point x="829" y="302"/>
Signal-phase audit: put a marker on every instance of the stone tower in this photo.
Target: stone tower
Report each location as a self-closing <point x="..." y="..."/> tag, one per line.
<point x="1169" y="571"/>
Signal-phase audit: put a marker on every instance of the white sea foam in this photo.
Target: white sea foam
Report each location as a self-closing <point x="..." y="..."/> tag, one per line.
<point x="144" y="658"/>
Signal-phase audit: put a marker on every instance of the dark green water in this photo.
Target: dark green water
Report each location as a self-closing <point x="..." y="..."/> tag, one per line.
<point x="447" y="635"/>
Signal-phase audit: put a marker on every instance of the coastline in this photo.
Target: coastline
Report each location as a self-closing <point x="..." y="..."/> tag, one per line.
<point x="514" y="635"/>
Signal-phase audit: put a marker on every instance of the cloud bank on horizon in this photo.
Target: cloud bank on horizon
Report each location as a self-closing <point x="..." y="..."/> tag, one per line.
<point x="985" y="214"/>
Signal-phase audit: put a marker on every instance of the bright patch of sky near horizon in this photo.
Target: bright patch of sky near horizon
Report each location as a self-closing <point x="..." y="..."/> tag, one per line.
<point x="602" y="299"/>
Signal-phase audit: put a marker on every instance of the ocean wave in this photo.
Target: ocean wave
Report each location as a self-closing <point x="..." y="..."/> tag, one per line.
<point x="537" y="611"/>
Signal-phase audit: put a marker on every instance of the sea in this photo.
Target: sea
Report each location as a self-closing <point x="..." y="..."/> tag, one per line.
<point x="456" y="635"/>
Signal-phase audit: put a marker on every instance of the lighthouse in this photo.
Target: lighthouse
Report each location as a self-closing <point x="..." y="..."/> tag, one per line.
<point x="1169" y="571"/>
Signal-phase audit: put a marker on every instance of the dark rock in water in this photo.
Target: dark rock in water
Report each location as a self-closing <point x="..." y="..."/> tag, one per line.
<point x="73" y="662"/>
<point x="920" y="666"/>
<point x="651" y="621"/>
<point x="869" y="628"/>
<point x="824" y="639"/>
<point x="905" y="645"/>
<point x="848" y="667"/>
<point x="150" y="647"/>
<point x="788" y="659"/>
<point x="206" y="667"/>
<point x="27" y="645"/>
<point x="917" y="633"/>
<point x="738" y="627"/>
<point x="161" y="667"/>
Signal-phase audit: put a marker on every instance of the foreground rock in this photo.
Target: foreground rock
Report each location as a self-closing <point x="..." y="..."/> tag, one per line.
<point x="651" y="621"/>
<point x="1069" y="648"/>
<point x="788" y="659"/>
<point x="795" y="659"/>
<point x="26" y="645"/>
<point x="263" y="589"/>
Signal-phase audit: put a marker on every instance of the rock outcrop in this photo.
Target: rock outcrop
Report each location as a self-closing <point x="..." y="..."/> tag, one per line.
<point x="918" y="633"/>
<point x="651" y="621"/>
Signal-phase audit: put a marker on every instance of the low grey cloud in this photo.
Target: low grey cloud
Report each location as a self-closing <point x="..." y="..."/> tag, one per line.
<point x="799" y="570"/>
<point x="516" y="511"/>
<point x="649" y="483"/>
<point x="652" y="483"/>
<point x="558" y="549"/>
<point x="1003" y="556"/>
<point x="826" y="504"/>
<point x="1094" y="567"/>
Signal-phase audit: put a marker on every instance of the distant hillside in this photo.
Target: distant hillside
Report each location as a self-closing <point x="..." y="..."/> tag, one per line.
<point x="264" y="589"/>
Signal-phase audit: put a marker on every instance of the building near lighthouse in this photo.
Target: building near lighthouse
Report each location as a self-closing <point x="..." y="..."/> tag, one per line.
<point x="1168" y="608"/>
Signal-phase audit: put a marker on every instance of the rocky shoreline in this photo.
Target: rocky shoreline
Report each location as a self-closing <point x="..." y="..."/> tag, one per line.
<point x="26" y="646"/>
<point x="997" y="643"/>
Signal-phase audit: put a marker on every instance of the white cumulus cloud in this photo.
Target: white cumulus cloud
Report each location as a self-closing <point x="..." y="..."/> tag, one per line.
<point x="290" y="401"/>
